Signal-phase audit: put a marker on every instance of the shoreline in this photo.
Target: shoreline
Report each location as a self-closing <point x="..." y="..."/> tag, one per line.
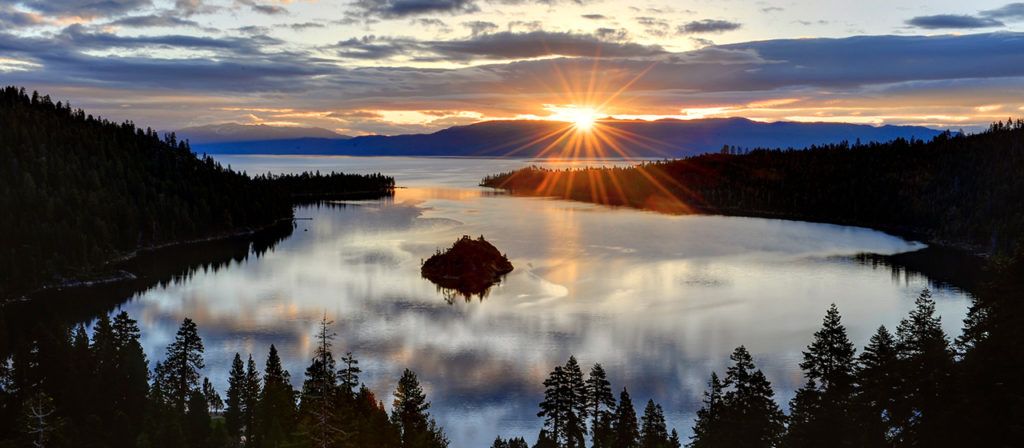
<point x="909" y="234"/>
<point x="109" y="272"/>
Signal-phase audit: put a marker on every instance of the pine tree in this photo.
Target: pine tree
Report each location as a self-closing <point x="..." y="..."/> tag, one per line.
<point x="544" y="440"/>
<point x="81" y="397"/>
<point x="627" y="433"/>
<point x="878" y="389"/>
<point x="601" y="405"/>
<point x="829" y="358"/>
<point x="750" y="416"/>
<point x="820" y="411"/>
<point x="319" y="392"/>
<point x="926" y="359"/>
<point x="409" y="413"/>
<point x="565" y="406"/>
<point x="349" y="375"/>
<point x="576" y="405"/>
<point x="251" y="391"/>
<point x="234" y="405"/>
<point x="552" y="408"/>
<point x="673" y="440"/>
<point x="133" y="376"/>
<point x="197" y="421"/>
<point x="213" y="400"/>
<point x="708" y="429"/>
<point x="653" y="431"/>
<point x="275" y="419"/>
<point x="41" y="423"/>
<point x="184" y="360"/>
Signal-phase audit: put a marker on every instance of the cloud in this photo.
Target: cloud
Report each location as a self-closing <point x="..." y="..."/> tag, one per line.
<point x="389" y="9"/>
<point x="263" y="7"/>
<point x="153" y="21"/>
<point x="89" y="9"/>
<point x="1012" y="11"/>
<point x="426" y="22"/>
<point x="12" y="18"/>
<point x="594" y="16"/>
<point x="479" y="27"/>
<point x="952" y="21"/>
<point x="529" y="25"/>
<point x="190" y="8"/>
<point x="700" y="42"/>
<point x="494" y="46"/>
<point x="243" y="71"/>
<point x="707" y="26"/>
<point x="79" y="37"/>
<point x="653" y="26"/>
<point x="304" y="25"/>
<point x="612" y="34"/>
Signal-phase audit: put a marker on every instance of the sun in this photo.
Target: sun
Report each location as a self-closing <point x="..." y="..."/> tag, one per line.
<point x="582" y="118"/>
<point x="584" y="121"/>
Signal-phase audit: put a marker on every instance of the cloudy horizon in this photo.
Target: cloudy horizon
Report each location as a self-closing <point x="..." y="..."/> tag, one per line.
<point x="400" y="66"/>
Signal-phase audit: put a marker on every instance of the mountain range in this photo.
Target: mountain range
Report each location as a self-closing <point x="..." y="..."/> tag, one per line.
<point x="236" y="132"/>
<point x="533" y="138"/>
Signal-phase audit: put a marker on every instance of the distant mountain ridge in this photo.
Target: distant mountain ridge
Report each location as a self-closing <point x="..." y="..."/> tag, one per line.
<point x="531" y="138"/>
<point x="237" y="132"/>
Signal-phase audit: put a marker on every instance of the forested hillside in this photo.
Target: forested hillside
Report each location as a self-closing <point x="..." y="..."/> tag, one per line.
<point x="962" y="189"/>
<point x="77" y="190"/>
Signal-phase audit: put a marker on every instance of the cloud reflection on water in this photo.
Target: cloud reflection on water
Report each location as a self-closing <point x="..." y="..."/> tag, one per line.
<point x="659" y="300"/>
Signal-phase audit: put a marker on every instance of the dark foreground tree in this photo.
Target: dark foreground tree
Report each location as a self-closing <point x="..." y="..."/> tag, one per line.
<point x="601" y="405"/>
<point x="653" y="432"/>
<point x="409" y="413"/>
<point x="923" y="416"/>
<point x="234" y="406"/>
<point x="183" y="362"/>
<point x="878" y="388"/>
<point x="276" y="415"/>
<point x="747" y="415"/>
<point x="627" y="432"/>
<point x="820" y="413"/>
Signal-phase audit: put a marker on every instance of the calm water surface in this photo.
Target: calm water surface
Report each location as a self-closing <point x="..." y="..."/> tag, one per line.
<point x="659" y="300"/>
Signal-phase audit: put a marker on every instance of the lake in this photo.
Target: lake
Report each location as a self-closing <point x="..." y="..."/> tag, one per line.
<point x="659" y="300"/>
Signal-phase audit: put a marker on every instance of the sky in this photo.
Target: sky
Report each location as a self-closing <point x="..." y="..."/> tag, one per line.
<point x="404" y="66"/>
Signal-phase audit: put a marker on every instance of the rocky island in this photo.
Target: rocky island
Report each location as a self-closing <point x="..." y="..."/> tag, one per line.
<point x="470" y="267"/>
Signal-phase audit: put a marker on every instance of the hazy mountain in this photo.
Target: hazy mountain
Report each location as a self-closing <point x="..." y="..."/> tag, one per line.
<point x="527" y="138"/>
<point x="236" y="132"/>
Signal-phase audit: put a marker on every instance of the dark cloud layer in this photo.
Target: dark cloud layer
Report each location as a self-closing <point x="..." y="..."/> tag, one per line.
<point x="494" y="46"/>
<point x="389" y="9"/>
<point x="952" y="21"/>
<point x="85" y="8"/>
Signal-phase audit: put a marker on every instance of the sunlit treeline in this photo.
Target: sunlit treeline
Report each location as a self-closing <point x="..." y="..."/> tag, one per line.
<point x="961" y="189"/>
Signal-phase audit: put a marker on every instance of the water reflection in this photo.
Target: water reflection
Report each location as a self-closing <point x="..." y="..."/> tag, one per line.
<point x="659" y="300"/>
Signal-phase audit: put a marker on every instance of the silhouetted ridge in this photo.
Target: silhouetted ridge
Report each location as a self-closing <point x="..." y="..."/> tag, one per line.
<point x="533" y="138"/>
